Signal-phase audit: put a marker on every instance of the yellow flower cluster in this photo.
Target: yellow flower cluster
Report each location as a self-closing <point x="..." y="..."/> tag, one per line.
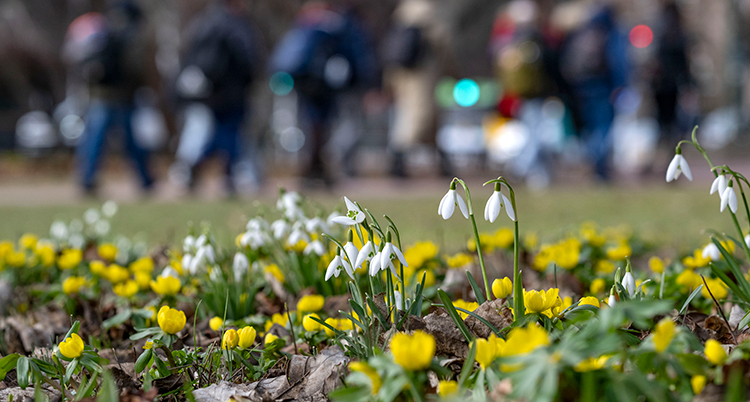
<point x="503" y="238"/>
<point x="696" y="260"/>
<point x="468" y="306"/>
<point x="107" y="251"/>
<point x="244" y="338"/>
<point x="565" y="254"/>
<point x="341" y="324"/>
<point x="620" y="251"/>
<point x="459" y="260"/>
<point x="276" y="318"/>
<point x="521" y="341"/>
<point x="73" y="284"/>
<point x="69" y="258"/>
<point x="418" y="254"/>
<point x="275" y="271"/>
<point x="166" y="285"/>
<point x="537" y="301"/>
<point x="717" y="288"/>
<point x="310" y="303"/>
<point x="370" y="372"/>
<point x="413" y="352"/>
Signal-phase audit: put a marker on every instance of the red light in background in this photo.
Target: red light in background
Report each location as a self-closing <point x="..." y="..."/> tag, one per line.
<point x="641" y="36"/>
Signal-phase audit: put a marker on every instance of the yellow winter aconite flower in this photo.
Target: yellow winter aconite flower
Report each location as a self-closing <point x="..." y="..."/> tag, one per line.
<point x="501" y="288"/>
<point x="309" y="324"/>
<point x="215" y="323"/>
<point x="15" y="259"/>
<point x="446" y="388"/>
<point x="656" y="264"/>
<point x="5" y="248"/>
<point x="116" y="274"/>
<point x="419" y="253"/>
<point x="565" y="254"/>
<point x="28" y="241"/>
<point x="714" y="352"/>
<point x="698" y="382"/>
<point x="590" y="234"/>
<point x="589" y="300"/>
<point x="73" y="284"/>
<point x="370" y="372"/>
<point x="269" y="338"/>
<point x="459" y="260"/>
<point x="96" y="267"/>
<point x="696" y="260"/>
<point x="486" y="352"/>
<point x="429" y="277"/>
<point x="69" y="258"/>
<point x="413" y="352"/>
<point x="143" y="264"/>
<point x="107" y="251"/>
<point x="143" y="279"/>
<point x="689" y="280"/>
<point x="343" y="324"/>
<point x="274" y="270"/>
<point x="604" y="267"/>
<point x="276" y="318"/>
<point x="619" y="252"/>
<point x="126" y="289"/>
<point x="717" y="288"/>
<point x="591" y="364"/>
<point x="559" y="306"/>
<point x="537" y="301"/>
<point x="71" y="347"/>
<point x="230" y="340"/>
<point x="598" y="285"/>
<point x="310" y="303"/>
<point x="247" y="337"/>
<point x="531" y="240"/>
<point x="170" y="320"/>
<point x="468" y="306"/>
<point x="166" y="285"/>
<point x="663" y="334"/>
<point x="148" y="345"/>
<point x="522" y="341"/>
<point x="46" y="255"/>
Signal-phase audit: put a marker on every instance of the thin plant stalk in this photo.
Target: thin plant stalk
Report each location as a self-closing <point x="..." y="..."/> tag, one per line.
<point x="476" y="239"/>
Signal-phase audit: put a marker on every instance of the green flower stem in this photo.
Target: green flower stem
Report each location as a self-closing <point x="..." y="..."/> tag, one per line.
<point x="518" y="307"/>
<point x="167" y="352"/>
<point x="742" y="237"/>
<point x="476" y="239"/>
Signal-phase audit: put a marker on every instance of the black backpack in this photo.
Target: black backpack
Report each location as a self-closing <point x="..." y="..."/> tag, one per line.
<point x="403" y="46"/>
<point x="104" y="65"/>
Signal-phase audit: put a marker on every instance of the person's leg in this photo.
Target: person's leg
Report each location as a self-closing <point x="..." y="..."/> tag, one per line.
<point x="318" y="111"/>
<point x="88" y="152"/>
<point x="137" y="154"/>
<point x="228" y="143"/>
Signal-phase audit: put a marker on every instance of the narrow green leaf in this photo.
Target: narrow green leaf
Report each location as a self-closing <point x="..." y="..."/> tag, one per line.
<point x="477" y="290"/>
<point x="161" y="366"/>
<point x="22" y="372"/>
<point x="88" y="387"/>
<point x="71" y="369"/>
<point x="690" y="298"/>
<point x="745" y="320"/>
<point x="454" y="315"/>
<point x="7" y="364"/>
<point x="742" y="283"/>
<point x="108" y="391"/>
<point x="117" y="319"/>
<point x="142" y="361"/>
<point x="468" y="366"/>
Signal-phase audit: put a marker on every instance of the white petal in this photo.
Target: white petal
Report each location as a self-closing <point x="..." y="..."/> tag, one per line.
<point x="351" y="252"/>
<point x="347" y="267"/>
<point x="364" y="254"/>
<point x="672" y="170"/>
<point x="747" y="240"/>
<point x="715" y="185"/>
<point x="375" y="265"/>
<point x="344" y="220"/>
<point x="446" y="198"/>
<point x="350" y="205"/>
<point x="685" y="168"/>
<point x="732" y="200"/>
<point x="509" y="208"/>
<point x="711" y="251"/>
<point x="487" y="210"/>
<point x="385" y="255"/>
<point x="449" y="206"/>
<point x="496" y="203"/>
<point x="400" y="256"/>
<point x="393" y="268"/>
<point x="725" y="198"/>
<point x="333" y="268"/>
<point x="462" y="206"/>
<point x="611" y="301"/>
<point x="628" y="282"/>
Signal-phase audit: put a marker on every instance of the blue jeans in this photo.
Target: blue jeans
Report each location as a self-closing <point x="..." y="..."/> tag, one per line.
<point x="226" y="139"/>
<point x="100" y="118"/>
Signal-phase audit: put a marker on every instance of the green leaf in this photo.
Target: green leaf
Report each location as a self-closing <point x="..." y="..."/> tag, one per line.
<point x="144" y="333"/>
<point x="72" y="366"/>
<point x="142" y="361"/>
<point x="73" y="329"/>
<point x="468" y="366"/>
<point x="7" y="364"/>
<point x="88" y="387"/>
<point x="745" y="320"/>
<point x="117" y="319"/>
<point x="108" y="391"/>
<point x="690" y="298"/>
<point x="735" y="268"/>
<point x="477" y="290"/>
<point x="22" y="372"/>
<point x="454" y="315"/>
<point x="161" y="366"/>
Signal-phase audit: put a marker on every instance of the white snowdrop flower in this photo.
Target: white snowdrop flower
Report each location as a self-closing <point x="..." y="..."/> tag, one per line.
<point x="729" y="197"/>
<point x="91" y="216"/>
<point x="676" y="166"/>
<point x="365" y="255"/>
<point x="389" y="253"/>
<point x="711" y="251"/>
<point x="628" y="282"/>
<point x="253" y="239"/>
<point x="333" y="215"/>
<point x="77" y="241"/>
<point x="448" y="204"/>
<point x="188" y="244"/>
<point x="353" y="216"/>
<point x="102" y="227"/>
<point x="316" y="225"/>
<point x="351" y="251"/>
<point x="612" y="300"/>
<point x="59" y="230"/>
<point x="375" y="264"/>
<point x="334" y="268"/>
<point x="279" y="228"/>
<point x="397" y="296"/>
<point x="747" y="239"/>
<point x="109" y="208"/>
<point x="298" y="234"/>
<point x="316" y="247"/>
<point x="495" y="203"/>
<point x="288" y="200"/>
<point x="256" y="224"/>
<point x="169" y="271"/>
<point x="240" y="266"/>
<point x="200" y="241"/>
<point x="719" y="185"/>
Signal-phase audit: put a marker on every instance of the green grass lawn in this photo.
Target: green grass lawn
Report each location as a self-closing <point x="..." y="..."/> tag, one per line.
<point x="676" y="217"/>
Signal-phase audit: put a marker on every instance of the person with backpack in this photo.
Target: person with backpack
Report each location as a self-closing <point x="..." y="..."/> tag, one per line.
<point x="218" y="68"/>
<point x="416" y="54"/>
<point x="114" y="68"/>
<point x="326" y="53"/>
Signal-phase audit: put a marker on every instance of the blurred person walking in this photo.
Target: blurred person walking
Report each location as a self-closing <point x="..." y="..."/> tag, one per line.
<point x="594" y="63"/>
<point x="416" y="53"/>
<point x="114" y="69"/>
<point x="218" y="68"/>
<point x="326" y="53"/>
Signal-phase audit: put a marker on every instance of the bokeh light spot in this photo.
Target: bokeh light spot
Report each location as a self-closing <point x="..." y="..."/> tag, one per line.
<point x="641" y="36"/>
<point x="466" y="92"/>
<point x="281" y="83"/>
